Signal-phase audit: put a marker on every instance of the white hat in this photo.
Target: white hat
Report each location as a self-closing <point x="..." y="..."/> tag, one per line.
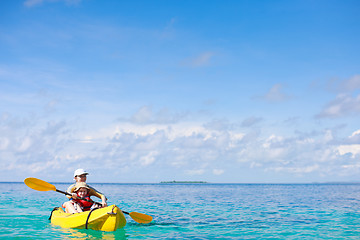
<point x="79" y="172"/>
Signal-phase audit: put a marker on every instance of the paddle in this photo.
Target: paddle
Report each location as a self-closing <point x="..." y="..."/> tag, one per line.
<point x="41" y="185"/>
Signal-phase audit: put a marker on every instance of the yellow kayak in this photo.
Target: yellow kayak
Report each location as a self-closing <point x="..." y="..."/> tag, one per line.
<point x="104" y="219"/>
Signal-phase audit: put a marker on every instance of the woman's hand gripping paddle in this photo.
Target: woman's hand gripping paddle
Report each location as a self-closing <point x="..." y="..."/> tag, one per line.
<point x="41" y="185"/>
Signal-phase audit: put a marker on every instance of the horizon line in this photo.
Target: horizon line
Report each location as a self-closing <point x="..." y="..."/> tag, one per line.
<point x="204" y="182"/>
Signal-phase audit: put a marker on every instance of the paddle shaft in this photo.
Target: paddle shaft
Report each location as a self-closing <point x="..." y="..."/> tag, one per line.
<point x="66" y="193"/>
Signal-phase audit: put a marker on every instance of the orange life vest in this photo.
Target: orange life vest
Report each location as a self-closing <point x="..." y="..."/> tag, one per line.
<point x="85" y="205"/>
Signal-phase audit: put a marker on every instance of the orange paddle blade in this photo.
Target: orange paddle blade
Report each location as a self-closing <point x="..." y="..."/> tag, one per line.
<point x="140" y="217"/>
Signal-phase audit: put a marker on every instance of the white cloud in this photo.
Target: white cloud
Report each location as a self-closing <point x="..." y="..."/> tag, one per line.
<point x="87" y="139"/>
<point x="354" y="138"/>
<point x="146" y="115"/>
<point x="296" y="170"/>
<point x="353" y="149"/>
<point x="251" y="121"/>
<point x="25" y="144"/>
<point x="190" y="148"/>
<point x="218" y="171"/>
<point x="301" y="155"/>
<point x="32" y="3"/>
<point x="199" y="61"/>
<point x="351" y="84"/>
<point x="4" y="143"/>
<point x="149" y="158"/>
<point x="355" y="134"/>
<point x="328" y="136"/>
<point x="203" y="59"/>
<point x="195" y="172"/>
<point x="143" y="115"/>
<point x="347" y="100"/>
<point x="351" y="145"/>
<point x="169" y="30"/>
<point x="275" y="94"/>
<point x="343" y="105"/>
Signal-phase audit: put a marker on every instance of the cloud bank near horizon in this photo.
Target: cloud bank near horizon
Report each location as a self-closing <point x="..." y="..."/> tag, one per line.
<point x="151" y="140"/>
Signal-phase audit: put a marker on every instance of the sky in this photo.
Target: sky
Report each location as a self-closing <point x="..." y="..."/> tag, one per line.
<point x="234" y="91"/>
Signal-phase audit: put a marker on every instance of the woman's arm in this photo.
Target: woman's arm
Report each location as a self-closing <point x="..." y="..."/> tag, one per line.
<point x="94" y="192"/>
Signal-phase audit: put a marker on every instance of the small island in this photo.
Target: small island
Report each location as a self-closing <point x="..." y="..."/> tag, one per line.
<point x="183" y="181"/>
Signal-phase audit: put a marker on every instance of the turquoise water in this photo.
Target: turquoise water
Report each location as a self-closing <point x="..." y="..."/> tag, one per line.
<point x="196" y="211"/>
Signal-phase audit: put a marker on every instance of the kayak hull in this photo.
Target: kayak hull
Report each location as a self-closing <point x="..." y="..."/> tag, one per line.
<point x="104" y="219"/>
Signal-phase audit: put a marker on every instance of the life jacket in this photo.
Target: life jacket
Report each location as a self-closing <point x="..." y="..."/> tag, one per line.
<point x="85" y="205"/>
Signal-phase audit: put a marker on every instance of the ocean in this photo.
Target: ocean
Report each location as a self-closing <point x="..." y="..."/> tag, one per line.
<point x="196" y="211"/>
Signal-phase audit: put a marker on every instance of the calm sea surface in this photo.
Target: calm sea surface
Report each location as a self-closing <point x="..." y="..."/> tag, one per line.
<point x="196" y="211"/>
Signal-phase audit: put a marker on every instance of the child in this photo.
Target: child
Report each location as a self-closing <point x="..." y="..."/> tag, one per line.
<point x="80" y="177"/>
<point x="83" y="201"/>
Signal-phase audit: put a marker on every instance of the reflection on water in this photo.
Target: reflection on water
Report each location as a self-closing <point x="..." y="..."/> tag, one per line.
<point x="84" y="234"/>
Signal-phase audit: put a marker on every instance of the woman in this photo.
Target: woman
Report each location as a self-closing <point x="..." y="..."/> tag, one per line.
<point x="80" y="177"/>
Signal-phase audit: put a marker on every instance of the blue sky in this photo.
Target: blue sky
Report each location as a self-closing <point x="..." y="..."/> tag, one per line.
<point x="149" y="91"/>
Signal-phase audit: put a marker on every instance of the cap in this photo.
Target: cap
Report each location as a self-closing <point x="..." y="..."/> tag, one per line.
<point x="79" y="172"/>
<point x="79" y="185"/>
